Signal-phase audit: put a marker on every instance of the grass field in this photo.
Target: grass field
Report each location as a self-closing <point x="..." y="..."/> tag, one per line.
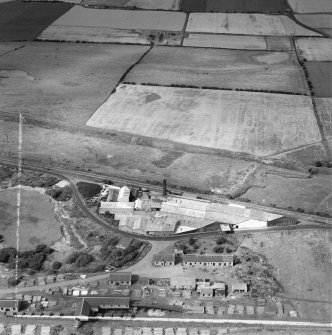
<point x="122" y="19"/>
<point x="64" y="83"/>
<point x="311" y="6"/>
<point x="21" y="21"/>
<point x="37" y="222"/>
<point x="318" y="21"/>
<point x="306" y="273"/>
<point x="154" y="4"/>
<point x="227" y="120"/>
<point x="245" y="24"/>
<point x="314" y="49"/>
<point x="324" y="108"/>
<point x="243" y="69"/>
<point x="235" y="6"/>
<point x="320" y="74"/>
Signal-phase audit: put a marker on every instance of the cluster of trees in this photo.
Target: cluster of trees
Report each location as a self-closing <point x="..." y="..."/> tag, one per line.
<point x="117" y="257"/>
<point x="32" y="259"/>
<point x="60" y="194"/>
<point x="88" y="190"/>
<point x="80" y="259"/>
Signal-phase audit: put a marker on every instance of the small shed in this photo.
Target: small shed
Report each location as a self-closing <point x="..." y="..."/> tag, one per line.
<point x="240" y="288"/>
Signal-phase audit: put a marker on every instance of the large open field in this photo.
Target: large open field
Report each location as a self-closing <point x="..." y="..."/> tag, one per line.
<point x="320" y="74"/>
<point x="116" y="25"/>
<point x="21" y="21"/>
<point x="243" y="69"/>
<point x="311" y="6"/>
<point x="306" y="275"/>
<point x="154" y="4"/>
<point x="235" y="6"/>
<point x="314" y="49"/>
<point x="255" y="123"/>
<point x="37" y="222"/>
<point x="324" y="108"/>
<point x="64" y="83"/>
<point x="245" y="24"/>
<point x="318" y="21"/>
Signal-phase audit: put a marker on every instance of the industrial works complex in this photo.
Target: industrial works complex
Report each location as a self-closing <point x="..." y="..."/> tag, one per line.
<point x="165" y="215"/>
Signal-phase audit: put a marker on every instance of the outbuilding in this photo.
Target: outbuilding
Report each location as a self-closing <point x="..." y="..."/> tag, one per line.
<point x="119" y="278"/>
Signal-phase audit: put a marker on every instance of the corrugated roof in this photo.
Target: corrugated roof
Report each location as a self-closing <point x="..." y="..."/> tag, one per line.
<point x="208" y="258"/>
<point x="104" y="204"/>
<point x="120" y="276"/>
<point x="164" y="257"/>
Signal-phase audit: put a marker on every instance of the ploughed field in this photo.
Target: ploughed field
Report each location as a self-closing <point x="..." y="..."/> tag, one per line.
<point x="314" y="48"/>
<point x="276" y="43"/>
<point x="324" y="109"/>
<point x="320" y="22"/>
<point x="21" y="21"/>
<point x="320" y="74"/>
<point x="254" y="123"/>
<point x="311" y="6"/>
<point x="235" y="6"/>
<point x="141" y="4"/>
<point x="212" y="68"/>
<point x="62" y="82"/>
<point x="245" y="24"/>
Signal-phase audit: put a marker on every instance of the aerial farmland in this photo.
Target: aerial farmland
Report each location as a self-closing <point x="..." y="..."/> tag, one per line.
<point x="225" y="69"/>
<point x="245" y="24"/>
<point x="185" y="145"/>
<point x="226" y="120"/>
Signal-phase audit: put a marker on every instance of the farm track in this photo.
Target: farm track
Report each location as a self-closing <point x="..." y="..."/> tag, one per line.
<point x="314" y="106"/>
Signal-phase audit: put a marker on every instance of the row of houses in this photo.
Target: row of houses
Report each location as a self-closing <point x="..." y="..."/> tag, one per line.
<point x="194" y="260"/>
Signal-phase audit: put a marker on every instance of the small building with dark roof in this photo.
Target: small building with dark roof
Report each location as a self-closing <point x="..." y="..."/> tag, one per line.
<point x="89" y="306"/>
<point x="163" y="260"/>
<point x="119" y="278"/>
<point x="211" y="261"/>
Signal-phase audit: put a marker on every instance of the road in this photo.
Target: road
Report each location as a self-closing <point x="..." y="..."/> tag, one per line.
<point x="183" y="321"/>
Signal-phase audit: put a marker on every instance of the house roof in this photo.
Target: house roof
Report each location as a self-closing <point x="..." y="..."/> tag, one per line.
<point x="120" y="276"/>
<point x="219" y="286"/>
<point x="109" y="205"/>
<point x="207" y="290"/>
<point x="183" y="281"/>
<point x="82" y="308"/>
<point x="208" y="258"/>
<point x="107" y="301"/>
<point x="8" y="303"/>
<point x="164" y="257"/>
<point x="239" y="286"/>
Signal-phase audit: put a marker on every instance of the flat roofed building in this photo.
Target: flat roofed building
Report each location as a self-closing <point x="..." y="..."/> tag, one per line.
<point x="214" y="260"/>
<point x="119" y="278"/>
<point x="116" y="207"/>
<point x="124" y="194"/>
<point x="206" y="292"/>
<point x="161" y="226"/>
<point x="163" y="260"/>
<point x="188" y="283"/>
<point x="239" y="288"/>
<point x="10" y="305"/>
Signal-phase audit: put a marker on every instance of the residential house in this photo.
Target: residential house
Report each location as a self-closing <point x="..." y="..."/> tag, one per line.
<point x="206" y="292"/>
<point x="119" y="278"/>
<point x="89" y="306"/>
<point x="163" y="260"/>
<point x="211" y="261"/>
<point x="10" y="305"/>
<point x="187" y="283"/>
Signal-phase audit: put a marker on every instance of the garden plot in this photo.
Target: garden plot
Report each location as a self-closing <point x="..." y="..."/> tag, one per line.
<point x="256" y="123"/>
<point x="320" y="74"/>
<point x="154" y="4"/>
<point x="324" y="108"/>
<point x="21" y="21"/>
<point x="225" y="41"/>
<point x="62" y="83"/>
<point x="311" y="6"/>
<point x="245" y="24"/>
<point x="115" y="25"/>
<point x="314" y="49"/>
<point x="220" y="68"/>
